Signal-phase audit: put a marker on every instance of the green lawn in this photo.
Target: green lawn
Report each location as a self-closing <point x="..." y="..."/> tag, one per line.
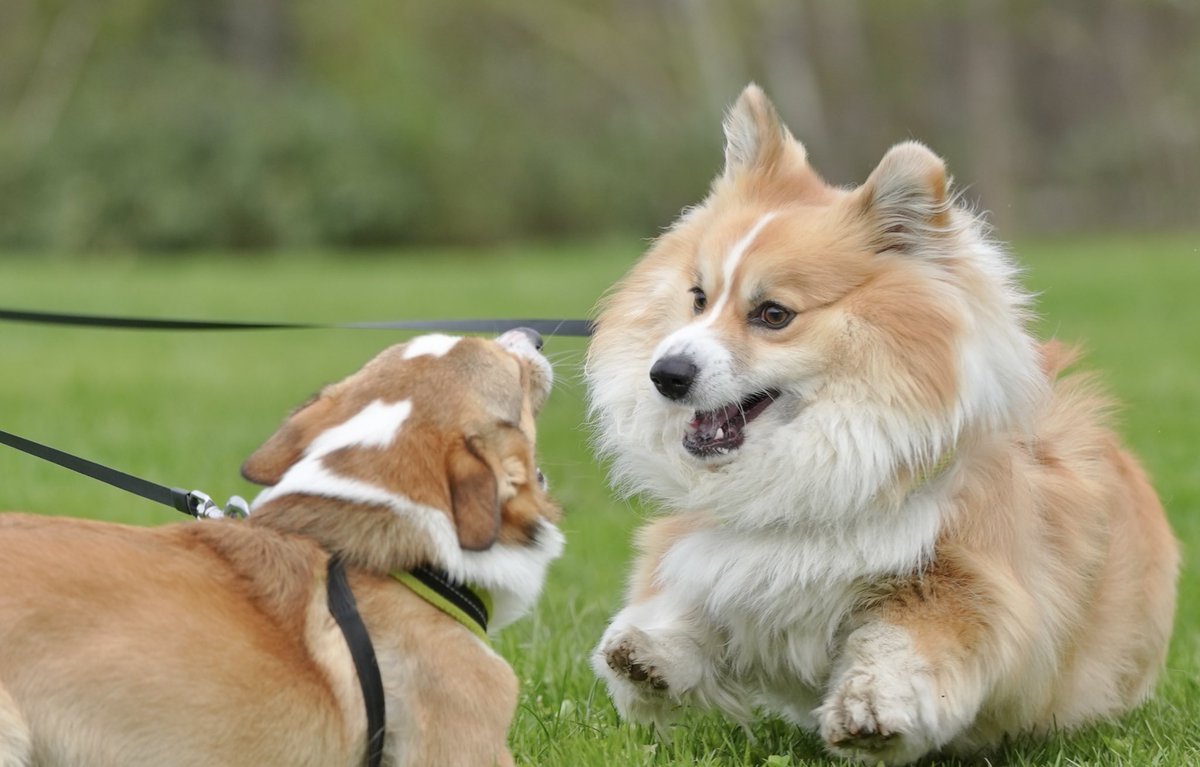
<point x="185" y="409"/>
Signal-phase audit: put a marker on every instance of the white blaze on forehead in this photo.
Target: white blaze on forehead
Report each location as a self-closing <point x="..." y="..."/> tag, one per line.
<point x="374" y="426"/>
<point x="731" y="264"/>
<point x="693" y="338"/>
<point x="433" y="345"/>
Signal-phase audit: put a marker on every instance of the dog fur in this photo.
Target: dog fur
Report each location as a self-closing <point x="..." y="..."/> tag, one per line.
<point x="924" y="538"/>
<point x="211" y="643"/>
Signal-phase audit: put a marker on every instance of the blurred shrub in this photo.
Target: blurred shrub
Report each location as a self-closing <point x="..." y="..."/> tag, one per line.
<point x="160" y="167"/>
<point x="251" y="124"/>
<point x="372" y="135"/>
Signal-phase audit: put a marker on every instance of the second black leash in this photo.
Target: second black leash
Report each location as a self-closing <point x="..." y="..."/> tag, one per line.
<point x="547" y="327"/>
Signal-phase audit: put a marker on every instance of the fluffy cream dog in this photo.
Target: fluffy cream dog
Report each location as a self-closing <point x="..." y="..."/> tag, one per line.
<point x="888" y="520"/>
<point x="213" y="643"/>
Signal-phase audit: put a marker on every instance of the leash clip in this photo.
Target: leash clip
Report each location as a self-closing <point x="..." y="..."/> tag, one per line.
<point x="202" y="506"/>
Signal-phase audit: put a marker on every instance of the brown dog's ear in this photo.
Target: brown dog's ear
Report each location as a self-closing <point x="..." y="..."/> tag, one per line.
<point x="474" y="494"/>
<point x="907" y="196"/>
<point x="755" y="137"/>
<point x="268" y="464"/>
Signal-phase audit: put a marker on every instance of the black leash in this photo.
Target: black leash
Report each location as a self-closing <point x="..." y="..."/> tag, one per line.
<point x="194" y="503"/>
<point x="547" y="327"/>
<point x="362" y="651"/>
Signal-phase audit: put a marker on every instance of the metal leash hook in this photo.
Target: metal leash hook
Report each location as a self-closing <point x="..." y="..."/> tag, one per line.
<point x="202" y="506"/>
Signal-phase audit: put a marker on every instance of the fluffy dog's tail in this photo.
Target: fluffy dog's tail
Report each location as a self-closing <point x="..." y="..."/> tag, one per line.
<point x="1056" y="356"/>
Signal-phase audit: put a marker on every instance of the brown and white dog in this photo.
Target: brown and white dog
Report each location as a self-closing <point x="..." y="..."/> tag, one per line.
<point x="212" y="644"/>
<point x="888" y="519"/>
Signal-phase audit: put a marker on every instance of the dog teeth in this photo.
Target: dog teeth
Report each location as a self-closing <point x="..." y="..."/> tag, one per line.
<point x="720" y="433"/>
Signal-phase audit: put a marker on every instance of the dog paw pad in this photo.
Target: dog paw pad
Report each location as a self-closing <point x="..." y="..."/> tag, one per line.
<point x="865" y="715"/>
<point x="622" y="657"/>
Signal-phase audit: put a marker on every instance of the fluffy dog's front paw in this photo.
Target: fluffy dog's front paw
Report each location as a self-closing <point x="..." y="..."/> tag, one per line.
<point x="648" y="673"/>
<point x="881" y="713"/>
<point x="628" y="655"/>
<point x="859" y="715"/>
<point x="885" y="703"/>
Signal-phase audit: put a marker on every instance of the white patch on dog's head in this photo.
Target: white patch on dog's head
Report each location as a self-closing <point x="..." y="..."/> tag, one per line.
<point x="375" y="425"/>
<point x="434" y="345"/>
<point x="714" y="385"/>
<point x="729" y="267"/>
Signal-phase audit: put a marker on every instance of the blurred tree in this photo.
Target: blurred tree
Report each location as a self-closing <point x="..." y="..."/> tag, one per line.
<point x="181" y="124"/>
<point x="57" y="70"/>
<point x="992" y="110"/>
<point x="257" y="36"/>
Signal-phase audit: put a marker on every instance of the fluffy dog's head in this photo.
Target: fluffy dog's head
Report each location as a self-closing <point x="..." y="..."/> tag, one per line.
<point x="425" y="456"/>
<point x="790" y="353"/>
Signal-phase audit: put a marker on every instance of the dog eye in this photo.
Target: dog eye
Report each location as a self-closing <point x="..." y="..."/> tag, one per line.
<point x="771" y="315"/>
<point x="699" y="300"/>
<point x="541" y="479"/>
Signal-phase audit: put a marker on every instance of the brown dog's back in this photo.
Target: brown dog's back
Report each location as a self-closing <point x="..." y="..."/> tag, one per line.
<point x="93" y="617"/>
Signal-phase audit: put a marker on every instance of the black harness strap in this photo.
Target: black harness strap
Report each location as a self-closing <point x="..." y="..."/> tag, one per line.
<point x="547" y="327"/>
<point x="345" y="612"/>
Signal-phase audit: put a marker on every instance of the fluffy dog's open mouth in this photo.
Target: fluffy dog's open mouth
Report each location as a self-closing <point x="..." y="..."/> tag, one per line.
<point x="720" y="431"/>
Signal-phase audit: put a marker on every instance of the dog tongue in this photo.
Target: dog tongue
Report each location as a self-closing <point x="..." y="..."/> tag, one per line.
<point x="706" y="424"/>
<point x="713" y="429"/>
<point x="722" y="430"/>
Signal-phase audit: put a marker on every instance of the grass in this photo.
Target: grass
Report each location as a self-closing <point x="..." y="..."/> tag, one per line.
<point x="185" y="409"/>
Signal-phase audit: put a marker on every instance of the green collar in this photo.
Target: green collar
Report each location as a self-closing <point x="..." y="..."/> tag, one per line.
<point x="470" y="607"/>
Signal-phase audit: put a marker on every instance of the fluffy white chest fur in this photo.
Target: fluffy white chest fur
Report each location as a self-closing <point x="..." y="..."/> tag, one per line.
<point x="767" y="608"/>
<point x="773" y="616"/>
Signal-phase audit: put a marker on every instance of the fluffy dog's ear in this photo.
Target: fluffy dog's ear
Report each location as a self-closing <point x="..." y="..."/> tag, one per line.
<point x="906" y="196"/>
<point x="268" y="464"/>
<point x="755" y="137"/>
<point x="474" y="494"/>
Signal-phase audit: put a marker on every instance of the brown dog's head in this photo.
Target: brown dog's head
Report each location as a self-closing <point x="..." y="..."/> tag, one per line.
<point x="424" y="456"/>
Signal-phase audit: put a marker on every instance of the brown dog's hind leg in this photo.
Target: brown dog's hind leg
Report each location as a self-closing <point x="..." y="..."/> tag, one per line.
<point x="462" y="704"/>
<point x="15" y="748"/>
<point x="459" y="731"/>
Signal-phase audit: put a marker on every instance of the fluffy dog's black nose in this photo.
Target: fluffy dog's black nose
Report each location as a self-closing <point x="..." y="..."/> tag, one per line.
<point x="673" y="376"/>
<point x="534" y="337"/>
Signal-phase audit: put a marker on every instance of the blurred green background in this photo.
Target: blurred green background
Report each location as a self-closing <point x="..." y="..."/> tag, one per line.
<point x="371" y="160"/>
<point x="171" y="125"/>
